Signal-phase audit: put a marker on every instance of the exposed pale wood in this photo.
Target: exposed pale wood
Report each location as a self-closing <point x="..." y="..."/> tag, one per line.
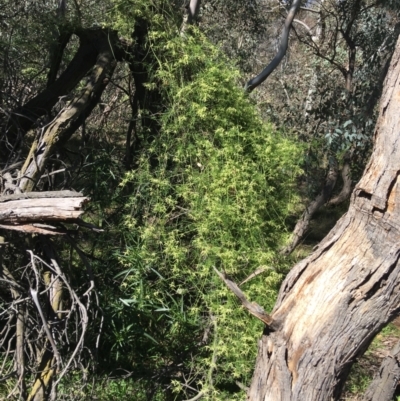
<point x="37" y="195"/>
<point x="332" y="304"/>
<point x="35" y="210"/>
<point x="33" y="229"/>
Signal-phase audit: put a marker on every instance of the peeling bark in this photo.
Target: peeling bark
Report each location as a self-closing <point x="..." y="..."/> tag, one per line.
<point x="333" y="303"/>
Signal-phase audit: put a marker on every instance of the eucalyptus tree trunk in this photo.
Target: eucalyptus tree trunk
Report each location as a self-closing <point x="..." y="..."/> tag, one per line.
<point x="334" y="302"/>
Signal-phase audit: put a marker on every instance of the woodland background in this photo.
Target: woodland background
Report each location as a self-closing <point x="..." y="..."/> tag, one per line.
<point x="140" y="112"/>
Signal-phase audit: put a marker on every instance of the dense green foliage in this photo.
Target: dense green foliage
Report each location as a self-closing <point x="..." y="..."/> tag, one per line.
<point x="206" y="183"/>
<point x="213" y="189"/>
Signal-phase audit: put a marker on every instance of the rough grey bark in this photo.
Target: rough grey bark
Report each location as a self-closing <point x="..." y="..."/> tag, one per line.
<point x="383" y="386"/>
<point x="334" y="302"/>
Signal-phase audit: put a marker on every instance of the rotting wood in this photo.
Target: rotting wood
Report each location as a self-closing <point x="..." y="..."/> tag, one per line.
<point x="27" y="212"/>
<point x="41" y="210"/>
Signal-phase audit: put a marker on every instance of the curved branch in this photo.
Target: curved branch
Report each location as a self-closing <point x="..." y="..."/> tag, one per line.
<point x="56" y="56"/>
<point x="266" y="72"/>
<point x="297" y="21"/>
<point x="92" y="44"/>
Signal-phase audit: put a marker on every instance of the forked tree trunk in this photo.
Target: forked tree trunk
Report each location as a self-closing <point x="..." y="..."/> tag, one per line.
<point x="332" y="304"/>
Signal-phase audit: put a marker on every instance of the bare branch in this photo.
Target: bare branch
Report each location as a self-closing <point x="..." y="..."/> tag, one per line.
<point x="35" y="298"/>
<point x="260" y="78"/>
<point x="297" y="21"/>
<point x="253" y="308"/>
<point x="311" y="10"/>
<point x="259" y="271"/>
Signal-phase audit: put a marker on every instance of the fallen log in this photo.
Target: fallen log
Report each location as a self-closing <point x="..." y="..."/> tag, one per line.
<point x="27" y="212"/>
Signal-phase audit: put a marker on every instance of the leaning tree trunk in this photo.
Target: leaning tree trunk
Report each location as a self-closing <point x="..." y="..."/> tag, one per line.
<point x="332" y="304"/>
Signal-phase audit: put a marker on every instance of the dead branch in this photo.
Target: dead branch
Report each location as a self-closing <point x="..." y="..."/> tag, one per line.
<point x="21" y="211"/>
<point x="257" y="272"/>
<point x="253" y="308"/>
